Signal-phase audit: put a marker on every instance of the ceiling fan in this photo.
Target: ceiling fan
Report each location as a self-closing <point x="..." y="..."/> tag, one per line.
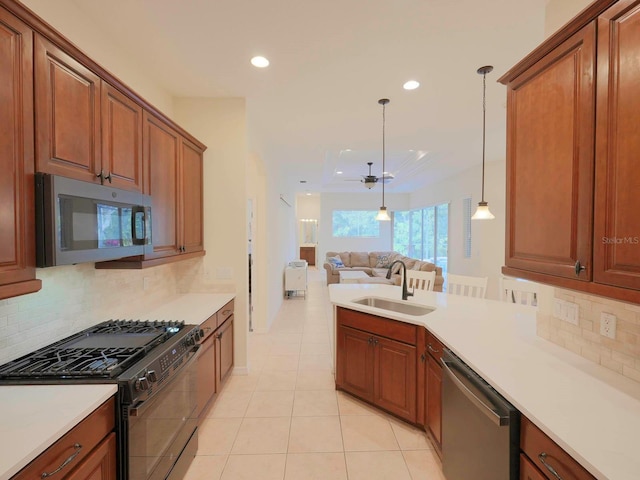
<point x="371" y="180"/>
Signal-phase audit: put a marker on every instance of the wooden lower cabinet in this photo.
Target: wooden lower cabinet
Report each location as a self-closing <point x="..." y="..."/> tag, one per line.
<point x="433" y="397"/>
<point x="86" y="452"/>
<point x="374" y="367"/>
<point x="308" y="254"/>
<point x="528" y="470"/>
<point x="99" y="464"/>
<point x="215" y="358"/>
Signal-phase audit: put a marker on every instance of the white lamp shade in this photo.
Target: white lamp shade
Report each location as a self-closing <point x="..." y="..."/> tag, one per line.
<point x="482" y="212"/>
<point x="383" y="215"/>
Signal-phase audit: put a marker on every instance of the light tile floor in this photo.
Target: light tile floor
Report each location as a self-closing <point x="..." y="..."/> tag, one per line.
<point x="285" y="420"/>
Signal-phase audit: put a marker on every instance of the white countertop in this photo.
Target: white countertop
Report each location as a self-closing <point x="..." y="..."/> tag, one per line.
<point x="33" y="417"/>
<point x="592" y="412"/>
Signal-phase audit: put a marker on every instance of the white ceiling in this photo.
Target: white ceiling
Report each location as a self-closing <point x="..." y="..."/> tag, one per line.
<point x="331" y="61"/>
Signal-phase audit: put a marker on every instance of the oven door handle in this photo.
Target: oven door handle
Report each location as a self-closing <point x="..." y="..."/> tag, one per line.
<point x="139" y="409"/>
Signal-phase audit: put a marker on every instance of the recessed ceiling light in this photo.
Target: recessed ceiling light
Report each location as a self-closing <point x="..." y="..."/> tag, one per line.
<point x="411" y="85"/>
<point x="338" y="172"/>
<point x="308" y="194"/>
<point x="259" y="62"/>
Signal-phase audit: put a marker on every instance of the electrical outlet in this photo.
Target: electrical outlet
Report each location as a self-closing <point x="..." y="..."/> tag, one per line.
<point x="573" y="313"/>
<point x="557" y="308"/>
<point x="608" y="325"/>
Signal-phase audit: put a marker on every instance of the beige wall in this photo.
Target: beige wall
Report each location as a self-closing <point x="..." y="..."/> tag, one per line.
<point x="559" y="12"/>
<point x="66" y="17"/>
<point x="220" y="123"/>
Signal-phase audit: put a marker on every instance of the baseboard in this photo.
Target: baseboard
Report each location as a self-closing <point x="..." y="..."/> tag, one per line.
<point x="240" y="370"/>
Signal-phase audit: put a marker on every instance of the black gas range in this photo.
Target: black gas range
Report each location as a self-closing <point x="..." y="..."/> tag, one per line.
<point x="153" y="364"/>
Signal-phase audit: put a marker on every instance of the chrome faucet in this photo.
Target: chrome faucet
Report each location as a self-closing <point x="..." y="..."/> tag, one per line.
<point x="405" y="292"/>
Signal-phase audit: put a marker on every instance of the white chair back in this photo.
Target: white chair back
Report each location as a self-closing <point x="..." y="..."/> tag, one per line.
<point x="420" y="280"/>
<point x="518" y="291"/>
<point x="467" y="286"/>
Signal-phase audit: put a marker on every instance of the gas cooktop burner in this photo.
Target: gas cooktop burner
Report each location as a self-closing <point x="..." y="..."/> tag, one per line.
<point x="102" y="351"/>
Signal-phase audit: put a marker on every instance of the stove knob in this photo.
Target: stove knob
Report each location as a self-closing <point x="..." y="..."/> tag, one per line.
<point x="142" y="384"/>
<point x="201" y="334"/>
<point x="152" y="376"/>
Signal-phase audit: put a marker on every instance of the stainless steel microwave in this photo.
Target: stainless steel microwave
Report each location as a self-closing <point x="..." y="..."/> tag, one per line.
<point x="78" y="222"/>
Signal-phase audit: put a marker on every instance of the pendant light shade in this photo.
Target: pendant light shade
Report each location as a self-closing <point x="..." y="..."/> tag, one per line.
<point x="482" y="212"/>
<point x="383" y="215"/>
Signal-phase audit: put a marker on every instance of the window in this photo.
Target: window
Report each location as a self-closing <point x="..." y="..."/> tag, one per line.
<point x="355" y="223"/>
<point x="423" y="233"/>
<point x="466" y="227"/>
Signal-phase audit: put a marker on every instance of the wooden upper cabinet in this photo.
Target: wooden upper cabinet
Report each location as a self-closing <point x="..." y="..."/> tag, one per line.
<point x="550" y="111"/>
<point x="67" y="107"/>
<point x="121" y="139"/>
<point x="617" y="200"/>
<point x="17" y="236"/>
<point x="192" y="201"/>
<point x="161" y="153"/>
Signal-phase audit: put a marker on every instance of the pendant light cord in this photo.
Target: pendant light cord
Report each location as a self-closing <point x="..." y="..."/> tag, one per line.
<point x="383" y="122"/>
<point x="484" y="115"/>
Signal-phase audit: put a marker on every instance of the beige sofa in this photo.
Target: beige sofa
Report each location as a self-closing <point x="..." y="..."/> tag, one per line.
<point x="376" y="266"/>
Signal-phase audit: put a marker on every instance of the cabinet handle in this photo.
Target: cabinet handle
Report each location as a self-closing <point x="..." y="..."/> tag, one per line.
<point x="542" y="456"/>
<point x="579" y="268"/>
<point x="71" y="458"/>
<point x="423" y="358"/>
<point x="100" y="176"/>
<point x="431" y="349"/>
<point x="108" y="177"/>
<point x="370" y="341"/>
<point x="375" y="341"/>
<point x="226" y="312"/>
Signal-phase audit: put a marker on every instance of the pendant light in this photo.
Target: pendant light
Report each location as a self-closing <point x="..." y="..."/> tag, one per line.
<point x="483" y="213"/>
<point x="382" y="213"/>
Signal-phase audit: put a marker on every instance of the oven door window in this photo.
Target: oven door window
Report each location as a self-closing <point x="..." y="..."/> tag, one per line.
<point x="162" y="426"/>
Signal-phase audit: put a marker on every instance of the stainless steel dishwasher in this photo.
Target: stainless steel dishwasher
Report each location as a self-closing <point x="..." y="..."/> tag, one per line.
<point x="480" y="429"/>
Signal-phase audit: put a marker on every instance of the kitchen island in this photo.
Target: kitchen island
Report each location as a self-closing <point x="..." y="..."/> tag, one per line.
<point x="591" y="412"/>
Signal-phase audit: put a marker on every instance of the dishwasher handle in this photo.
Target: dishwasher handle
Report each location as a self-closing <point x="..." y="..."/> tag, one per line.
<point x="483" y="404"/>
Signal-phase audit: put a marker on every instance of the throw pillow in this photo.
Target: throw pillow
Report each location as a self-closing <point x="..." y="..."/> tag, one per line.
<point x="383" y="261"/>
<point x="335" y="261"/>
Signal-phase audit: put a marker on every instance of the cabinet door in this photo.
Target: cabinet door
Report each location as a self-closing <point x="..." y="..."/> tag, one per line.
<point x="354" y="362"/>
<point x="67" y="106"/>
<point x="395" y="367"/>
<point x="528" y="470"/>
<point x="121" y="139"/>
<point x="161" y="151"/>
<point x="550" y="144"/>
<point x="224" y="362"/>
<point x="616" y="258"/>
<point x="17" y="236"/>
<point x="100" y="464"/>
<point x="191" y="184"/>
<point x="434" y="399"/>
<point x="206" y="373"/>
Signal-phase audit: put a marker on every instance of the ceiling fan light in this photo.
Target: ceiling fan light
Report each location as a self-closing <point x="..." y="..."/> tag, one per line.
<point x="383" y="215"/>
<point x="482" y="212"/>
<point x="369" y="184"/>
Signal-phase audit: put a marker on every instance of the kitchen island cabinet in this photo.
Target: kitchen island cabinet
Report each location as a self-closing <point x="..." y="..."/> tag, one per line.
<point x="376" y="361"/>
<point x="572" y="116"/>
<point x="17" y="197"/>
<point x="557" y="390"/>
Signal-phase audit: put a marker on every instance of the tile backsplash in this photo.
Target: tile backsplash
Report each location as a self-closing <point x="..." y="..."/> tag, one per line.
<point x="621" y="354"/>
<point x="78" y="296"/>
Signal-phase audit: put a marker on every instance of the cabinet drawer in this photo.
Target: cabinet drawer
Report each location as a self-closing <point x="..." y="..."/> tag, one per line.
<point x="87" y="434"/>
<point x="402" y="332"/>
<point x="225" y="312"/>
<point x="434" y="347"/>
<point x="209" y="325"/>
<point x="528" y="470"/>
<point x="534" y="442"/>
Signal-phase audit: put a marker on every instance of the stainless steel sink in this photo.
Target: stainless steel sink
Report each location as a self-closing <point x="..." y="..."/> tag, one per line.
<point x="397" y="306"/>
